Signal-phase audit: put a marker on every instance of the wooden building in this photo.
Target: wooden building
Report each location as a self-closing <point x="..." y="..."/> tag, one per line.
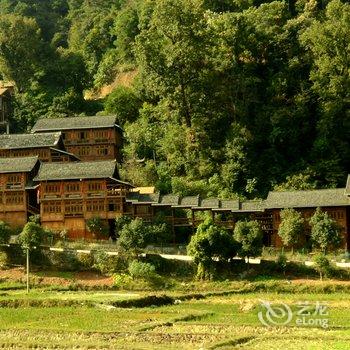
<point x="333" y="201"/>
<point x="48" y="147"/>
<point x="72" y="193"/>
<point x="6" y="95"/>
<point x="90" y="138"/>
<point x="18" y="198"/>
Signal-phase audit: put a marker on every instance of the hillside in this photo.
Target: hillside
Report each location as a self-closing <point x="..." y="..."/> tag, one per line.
<point x="224" y="98"/>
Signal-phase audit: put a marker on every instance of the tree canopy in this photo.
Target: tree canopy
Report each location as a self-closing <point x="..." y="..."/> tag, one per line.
<point x="228" y="98"/>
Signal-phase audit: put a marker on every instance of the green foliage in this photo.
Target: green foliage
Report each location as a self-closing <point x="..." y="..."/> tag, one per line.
<point x="136" y="235"/>
<point x="249" y="235"/>
<point x="35" y="219"/>
<point x="5" y="233"/>
<point x="323" y="266"/>
<point x="4" y="260"/>
<point x="108" y="264"/>
<point x="291" y="227"/>
<point x="97" y="227"/>
<point x="223" y="98"/>
<point x="143" y="270"/>
<point x="210" y="242"/>
<point x="282" y="262"/>
<point x="325" y="232"/>
<point x="31" y="236"/>
<point x="123" y="102"/>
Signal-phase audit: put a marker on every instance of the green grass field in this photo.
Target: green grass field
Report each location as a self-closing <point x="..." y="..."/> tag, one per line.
<point x="216" y="322"/>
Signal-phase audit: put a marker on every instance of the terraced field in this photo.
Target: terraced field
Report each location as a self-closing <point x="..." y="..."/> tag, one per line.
<point x="214" y="322"/>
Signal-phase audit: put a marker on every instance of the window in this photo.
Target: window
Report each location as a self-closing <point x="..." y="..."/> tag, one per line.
<point x="14" y="181"/>
<point x="72" y="187"/>
<point x="14" y="198"/>
<point x="101" y="135"/>
<point x="96" y="205"/>
<point x="52" y="188"/>
<point x="83" y="151"/>
<point x="73" y="207"/>
<point x="94" y="186"/>
<point x="52" y="207"/>
<point x="83" y="135"/>
<point x="102" y="151"/>
<point x="115" y="205"/>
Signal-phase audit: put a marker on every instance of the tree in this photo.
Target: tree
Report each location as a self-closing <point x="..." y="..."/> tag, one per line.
<point x="5" y="233"/>
<point x="325" y="232"/>
<point x="291" y="227"/>
<point x="123" y="102"/>
<point x="31" y="236"/>
<point x="327" y="42"/>
<point x="249" y="235"/>
<point x="20" y="50"/>
<point x="134" y="236"/>
<point x="208" y="244"/>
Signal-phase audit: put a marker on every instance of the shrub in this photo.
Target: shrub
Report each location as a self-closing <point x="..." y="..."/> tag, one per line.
<point x="86" y="261"/>
<point x="31" y="236"/>
<point x="108" y="264"/>
<point x="5" y="233"/>
<point x="122" y="280"/>
<point x="249" y="235"/>
<point x="210" y="241"/>
<point x="291" y="227"/>
<point x="323" y="266"/>
<point x="97" y="227"/>
<point x="325" y="231"/>
<point x="4" y="260"/>
<point x="138" y="269"/>
<point x="282" y="263"/>
<point x="64" y="261"/>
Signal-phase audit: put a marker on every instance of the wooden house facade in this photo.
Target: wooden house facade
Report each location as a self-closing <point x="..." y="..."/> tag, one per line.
<point x="333" y="201"/>
<point x="72" y="193"/>
<point x="18" y="198"/>
<point x="49" y="147"/>
<point x="89" y="138"/>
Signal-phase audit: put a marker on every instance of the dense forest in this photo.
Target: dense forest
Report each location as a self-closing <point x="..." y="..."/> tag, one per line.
<point x="218" y="97"/>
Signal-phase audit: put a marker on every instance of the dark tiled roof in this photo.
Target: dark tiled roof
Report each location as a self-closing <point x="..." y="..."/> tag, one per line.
<point x="229" y="204"/>
<point x="169" y="199"/>
<point x="147" y="198"/>
<point x="188" y="202"/>
<point x="347" y="188"/>
<point x="18" y="141"/>
<point x="252" y="206"/>
<point x="77" y="170"/>
<point x="52" y="124"/>
<point x="17" y="165"/>
<point x="210" y="203"/>
<point x="307" y="199"/>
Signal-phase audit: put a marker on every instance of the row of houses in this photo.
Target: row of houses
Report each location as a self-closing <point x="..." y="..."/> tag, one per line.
<point x="66" y="171"/>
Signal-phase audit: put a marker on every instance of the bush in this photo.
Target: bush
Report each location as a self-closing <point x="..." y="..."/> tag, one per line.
<point x="97" y="227"/>
<point x="323" y="266"/>
<point x="31" y="236"/>
<point x="282" y="263"/>
<point x="122" y="280"/>
<point x="325" y="232"/>
<point x="108" y="264"/>
<point x="291" y="227"/>
<point x="86" y="261"/>
<point x="63" y="261"/>
<point x="138" y="269"/>
<point x="4" y="260"/>
<point x="249" y="235"/>
<point x="5" y="233"/>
